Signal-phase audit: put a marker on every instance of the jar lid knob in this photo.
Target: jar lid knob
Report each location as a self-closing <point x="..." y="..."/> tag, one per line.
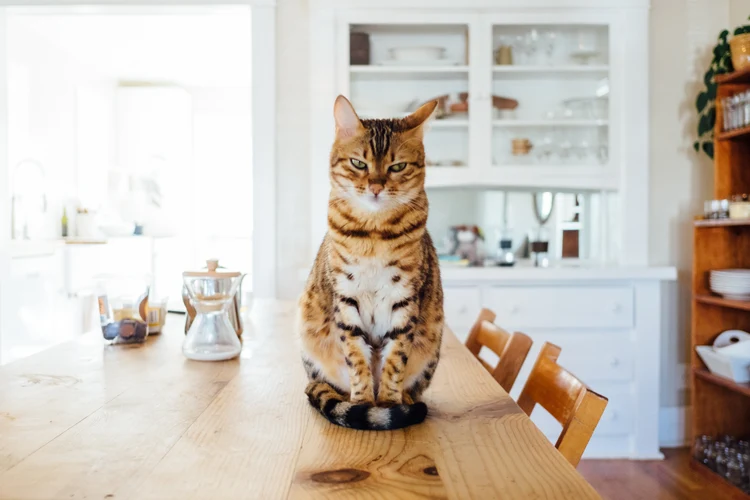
<point x="212" y="264"/>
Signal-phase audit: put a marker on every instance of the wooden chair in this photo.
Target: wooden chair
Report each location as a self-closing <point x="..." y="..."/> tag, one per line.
<point x="512" y="349"/>
<point x="566" y="398"/>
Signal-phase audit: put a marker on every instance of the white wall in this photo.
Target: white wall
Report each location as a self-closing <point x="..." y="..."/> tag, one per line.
<point x="292" y="145"/>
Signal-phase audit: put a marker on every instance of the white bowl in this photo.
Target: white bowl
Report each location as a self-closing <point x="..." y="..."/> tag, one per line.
<point x="719" y="363"/>
<point x="417" y="54"/>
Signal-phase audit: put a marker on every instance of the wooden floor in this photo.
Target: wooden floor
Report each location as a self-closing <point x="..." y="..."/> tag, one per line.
<point x="668" y="479"/>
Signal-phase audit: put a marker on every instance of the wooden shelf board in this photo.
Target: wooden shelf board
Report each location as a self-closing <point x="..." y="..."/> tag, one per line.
<point x="713" y="477"/>
<point x="721" y="222"/>
<point x="704" y="374"/>
<point x="720" y="301"/>
<point x="734" y="77"/>
<point x="733" y="134"/>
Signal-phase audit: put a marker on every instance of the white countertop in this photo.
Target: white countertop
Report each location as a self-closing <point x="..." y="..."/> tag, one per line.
<point x="561" y="273"/>
<point x="525" y="272"/>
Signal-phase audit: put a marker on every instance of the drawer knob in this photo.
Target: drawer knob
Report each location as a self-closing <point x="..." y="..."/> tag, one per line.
<point x="617" y="308"/>
<point x="614" y="363"/>
<point x="515" y="309"/>
<point x="612" y="416"/>
<point x="463" y="309"/>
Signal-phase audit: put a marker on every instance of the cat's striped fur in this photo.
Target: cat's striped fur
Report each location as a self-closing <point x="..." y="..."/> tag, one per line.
<point x="371" y="316"/>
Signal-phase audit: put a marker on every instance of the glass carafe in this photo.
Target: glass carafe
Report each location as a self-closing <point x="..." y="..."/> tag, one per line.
<point x="211" y="336"/>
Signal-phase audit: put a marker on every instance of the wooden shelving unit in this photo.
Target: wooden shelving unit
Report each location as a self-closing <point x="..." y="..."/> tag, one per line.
<point x="719" y="405"/>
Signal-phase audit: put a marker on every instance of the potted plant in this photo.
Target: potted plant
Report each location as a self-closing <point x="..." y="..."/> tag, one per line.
<point x="705" y="103"/>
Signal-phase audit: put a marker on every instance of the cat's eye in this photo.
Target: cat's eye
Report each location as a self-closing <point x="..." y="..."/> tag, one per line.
<point x="358" y="164"/>
<point x="398" y="167"/>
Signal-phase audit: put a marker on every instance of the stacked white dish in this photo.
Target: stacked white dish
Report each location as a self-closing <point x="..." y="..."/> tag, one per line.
<point x="418" y="56"/>
<point x="733" y="284"/>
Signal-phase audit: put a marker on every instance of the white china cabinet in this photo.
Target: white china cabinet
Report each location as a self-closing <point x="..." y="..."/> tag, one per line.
<point x="557" y="95"/>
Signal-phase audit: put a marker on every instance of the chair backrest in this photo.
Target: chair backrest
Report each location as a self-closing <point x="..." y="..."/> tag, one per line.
<point x="511" y="348"/>
<point x="566" y="398"/>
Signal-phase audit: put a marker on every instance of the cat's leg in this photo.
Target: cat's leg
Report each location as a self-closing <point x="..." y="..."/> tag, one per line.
<point x="349" y="331"/>
<point x="396" y="352"/>
<point x="423" y="361"/>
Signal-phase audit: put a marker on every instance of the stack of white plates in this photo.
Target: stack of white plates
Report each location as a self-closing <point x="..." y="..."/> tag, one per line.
<point x="733" y="284"/>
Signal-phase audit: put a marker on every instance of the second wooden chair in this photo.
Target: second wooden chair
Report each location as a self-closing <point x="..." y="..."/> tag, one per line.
<point x="511" y="348"/>
<point x="566" y="398"/>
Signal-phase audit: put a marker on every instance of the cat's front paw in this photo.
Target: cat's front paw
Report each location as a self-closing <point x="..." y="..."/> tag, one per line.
<point x="363" y="397"/>
<point x="391" y="399"/>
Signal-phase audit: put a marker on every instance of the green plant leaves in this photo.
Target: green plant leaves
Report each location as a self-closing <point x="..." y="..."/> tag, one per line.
<point x="708" y="148"/>
<point x="697" y="146"/>
<point x="724" y="34"/>
<point x="701" y="101"/>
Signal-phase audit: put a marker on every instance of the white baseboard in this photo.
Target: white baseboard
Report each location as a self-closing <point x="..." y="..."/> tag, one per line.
<point x="674" y="426"/>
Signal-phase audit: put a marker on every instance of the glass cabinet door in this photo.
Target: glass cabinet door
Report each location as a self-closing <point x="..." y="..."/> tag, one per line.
<point x="394" y="68"/>
<point x="550" y="95"/>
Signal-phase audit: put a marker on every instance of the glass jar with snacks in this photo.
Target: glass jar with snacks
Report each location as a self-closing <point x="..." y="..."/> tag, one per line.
<point x="123" y="308"/>
<point x="739" y="207"/>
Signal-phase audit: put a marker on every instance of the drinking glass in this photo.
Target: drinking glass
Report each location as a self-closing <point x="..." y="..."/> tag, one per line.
<point x="735" y="473"/>
<point x="727" y="109"/>
<point x="532" y="44"/>
<point x="550" y="42"/>
<point x="699" y="446"/>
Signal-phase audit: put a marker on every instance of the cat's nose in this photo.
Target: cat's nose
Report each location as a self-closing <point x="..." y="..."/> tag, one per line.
<point x="376" y="189"/>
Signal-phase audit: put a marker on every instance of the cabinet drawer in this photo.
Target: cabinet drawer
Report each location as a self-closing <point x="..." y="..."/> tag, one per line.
<point x="48" y="267"/>
<point x="461" y="306"/>
<point x="592" y="357"/>
<point x="562" y="307"/>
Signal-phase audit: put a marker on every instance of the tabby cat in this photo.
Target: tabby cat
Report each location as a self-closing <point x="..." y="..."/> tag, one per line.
<point x="371" y="316"/>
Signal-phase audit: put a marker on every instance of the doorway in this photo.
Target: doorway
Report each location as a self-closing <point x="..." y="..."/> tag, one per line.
<point x="137" y="124"/>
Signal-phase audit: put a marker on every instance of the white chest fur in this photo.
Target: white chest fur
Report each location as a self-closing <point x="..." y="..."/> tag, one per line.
<point x="375" y="292"/>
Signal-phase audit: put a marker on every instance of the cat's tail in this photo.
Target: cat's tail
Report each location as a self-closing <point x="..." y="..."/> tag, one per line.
<point x="334" y="407"/>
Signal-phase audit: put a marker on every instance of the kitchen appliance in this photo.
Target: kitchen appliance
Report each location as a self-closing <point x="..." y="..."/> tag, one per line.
<point x="213" y="325"/>
<point x="505" y="255"/>
<point x="544" y="203"/>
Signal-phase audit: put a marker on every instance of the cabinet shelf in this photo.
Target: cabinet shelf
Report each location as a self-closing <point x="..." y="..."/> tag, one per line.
<point x="721" y="222"/>
<point x="416" y="72"/>
<point x="724" y="489"/>
<point x="733" y="134"/>
<point x="449" y="123"/>
<point x="720" y="301"/>
<point x="734" y="77"/>
<point x="572" y="70"/>
<point x="522" y="177"/>
<point x="706" y="375"/>
<point x="550" y="123"/>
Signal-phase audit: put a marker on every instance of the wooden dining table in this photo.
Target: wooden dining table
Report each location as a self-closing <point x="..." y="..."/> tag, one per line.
<point x="87" y="420"/>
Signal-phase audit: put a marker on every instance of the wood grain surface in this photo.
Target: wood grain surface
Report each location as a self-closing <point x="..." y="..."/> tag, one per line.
<point x="85" y="420"/>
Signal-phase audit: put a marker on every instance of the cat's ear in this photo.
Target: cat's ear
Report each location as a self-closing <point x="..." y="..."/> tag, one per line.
<point x="421" y="115"/>
<point x="347" y="121"/>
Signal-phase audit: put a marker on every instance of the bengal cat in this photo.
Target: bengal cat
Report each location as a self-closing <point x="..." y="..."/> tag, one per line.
<point x="371" y="316"/>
